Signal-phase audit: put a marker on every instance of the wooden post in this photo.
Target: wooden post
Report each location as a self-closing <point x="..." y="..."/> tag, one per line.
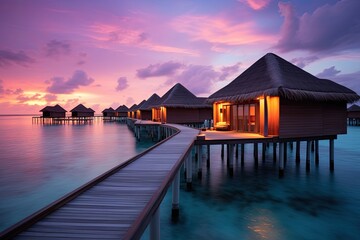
<point x="189" y="173"/>
<point x="308" y="149"/>
<point x="331" y="154"/>
<point x="256" y="153"/>
<point x="175" y="197"/>
<point x="285" y="152"/>
<point x="199" y="157"/>
<point x="242" y="153"/>
<point x="317" y="152"/>
<point x="222" y="151"/>
<point x="266" y="125"/>
<point x="237" y="151"/>
<point x="297" y="152"/>
<point x="208" y="156"/>
<point x="274" y="151"/>
<point x="231" y="158"/>
<point x="155" y="226"/>
<point x="159" y="133"/>
<point x="281" y="159"/>
<point x="263" y="151"/>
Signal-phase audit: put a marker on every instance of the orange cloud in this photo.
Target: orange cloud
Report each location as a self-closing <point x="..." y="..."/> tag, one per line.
<point x="256" y="4"/>
<point x="217" y="30"/>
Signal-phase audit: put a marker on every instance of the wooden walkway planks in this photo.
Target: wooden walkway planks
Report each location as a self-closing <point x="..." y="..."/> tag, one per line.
<point x="120" y="206"/>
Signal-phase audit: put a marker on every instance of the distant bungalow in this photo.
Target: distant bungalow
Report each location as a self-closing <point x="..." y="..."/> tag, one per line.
<point x="53" y="111"/>
<point x="121" y="111"/>
<point x="275" y="97"/>
<point x="134" y="110"/>
<point x="144" y="112"/>
<point x="179" y="105"/>
<point x="353" y="114"/>
<point x="131" y="112"/>
<point x="108" y="112"/>
<point x="82" y="111"/>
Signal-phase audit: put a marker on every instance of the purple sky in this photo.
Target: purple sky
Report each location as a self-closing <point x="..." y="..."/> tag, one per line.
<point x="109" y="53"/>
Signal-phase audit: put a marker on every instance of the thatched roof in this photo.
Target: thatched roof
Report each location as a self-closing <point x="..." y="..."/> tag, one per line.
<point x="179" y="96"/>
<point x="152" y="101"/>
<point x="81" y="108"/>
<point x="273" y="76"/>
<point x="108" y="110"/>
<point x="354" y="108"/>
<point x="139" y="105"/>
<point x="56" y="108"/>
<point x="133" y="108"/>
<point x="122" y="109"/>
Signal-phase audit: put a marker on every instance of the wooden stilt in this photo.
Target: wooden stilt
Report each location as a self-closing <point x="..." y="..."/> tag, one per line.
<point x="189" y="173"/>
<point x="263" y="150"/>
<point x="242" y="153"/>
<point x="231" y="159"/>
<point x="274" y="151"/>
<point x="175" y="197"/>
<point x="331" y="154"/>
<point x="208" y="156"/>
<point x="155" y="226"/>
<point x="222" y="151"/>
<point x="256" y="153"/>
<point x="237" y="151"/>
<point x="317" y="152"/>
<point x="199" y="152"/>
<point x="308" y="149"/>
<point x="281" y="159"/>
<point x="285" y="152"/>
<point x="297" y="152"/>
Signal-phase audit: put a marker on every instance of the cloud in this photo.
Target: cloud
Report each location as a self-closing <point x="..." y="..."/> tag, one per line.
<point x="25" y="98"/>
<point x="19" y="58"/>
<point x="218" y="30"/>
<point x="6" y="91"/>
<point x="50" y="98"/>
<point x="228" y="71"/>
<point x="256" y="4"/>
<point x="157" y="70"/>
<point x="130" y="101"/>
<point x="330" y="28"/>
<point x="301" y="62"/>
<point x="350" y="80"/>
<point x="57" y="48"/>
<point x="122" y="84"/>
<point x="59" y="85"/>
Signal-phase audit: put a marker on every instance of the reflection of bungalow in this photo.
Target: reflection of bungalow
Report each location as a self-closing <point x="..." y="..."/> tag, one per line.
<point x="53" y="111"/>
<point x="275" y="97"/>
<point x="179" y="105"/>
<point x="144" y="111"/>
<point x="108" y="112"/>
<point x="122" y="111"/>
<point x="82" y="111"/>
<point x="353" y="114"/>
<point x="131" y="112"/>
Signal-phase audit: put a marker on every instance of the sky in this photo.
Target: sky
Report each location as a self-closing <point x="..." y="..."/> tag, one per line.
<point x="108" y="53"/>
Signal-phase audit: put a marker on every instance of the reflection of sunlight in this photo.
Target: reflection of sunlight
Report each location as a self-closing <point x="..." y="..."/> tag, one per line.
<point x="264" y="226"/>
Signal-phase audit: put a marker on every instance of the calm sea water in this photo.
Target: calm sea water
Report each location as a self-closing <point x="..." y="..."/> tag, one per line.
<point x="41" y="163"/>
<point x="255" y="204"/>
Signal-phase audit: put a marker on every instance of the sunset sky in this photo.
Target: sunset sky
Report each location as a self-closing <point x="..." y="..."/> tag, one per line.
<point x="114" y="52"/>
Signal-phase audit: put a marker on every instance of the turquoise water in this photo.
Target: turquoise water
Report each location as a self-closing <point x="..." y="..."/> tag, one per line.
<point x="255" y="204"/>
<point x="41" y="163"/>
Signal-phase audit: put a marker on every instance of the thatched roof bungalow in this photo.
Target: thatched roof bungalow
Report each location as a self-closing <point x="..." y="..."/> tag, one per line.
<point x="53" y="111"/>
<point x="108" y="112"/>
<point x="122" y="111"/>
<point x="82" y="111"/>
<point x="144" y="112"/>
<point x="275" y="97"/>
<point x="131" y="112"/>
<point x="134" y="112"/>
<point x="179" y="105"/>
<point x="353" y="115"/>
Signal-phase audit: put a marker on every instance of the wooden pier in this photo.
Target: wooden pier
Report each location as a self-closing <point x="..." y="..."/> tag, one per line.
<point x="63" y="120"/>
<point x="119" y="204"/>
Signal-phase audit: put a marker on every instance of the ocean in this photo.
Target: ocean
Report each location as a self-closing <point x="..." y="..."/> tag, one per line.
<point x="40" y="163"/>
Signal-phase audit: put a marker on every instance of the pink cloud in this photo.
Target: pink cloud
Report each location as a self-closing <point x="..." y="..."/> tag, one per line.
<point x="303" y="61"/>
<point x="122" y="83"/>
<point x="57" y="48"/>
<point x="157" y="70"/>
<point x="256" y="4"/>
<point x="217" y="30"/>
<point x="59" y="85"/>
<point x="330" y="28"/>
<point x="19" y="58"/>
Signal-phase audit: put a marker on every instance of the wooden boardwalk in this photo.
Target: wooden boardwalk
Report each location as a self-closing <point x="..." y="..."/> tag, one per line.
<point x="118" y="205"/>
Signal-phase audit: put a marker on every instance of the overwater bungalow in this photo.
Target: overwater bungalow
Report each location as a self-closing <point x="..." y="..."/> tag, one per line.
<point x="179" y="105"/>
<point x="53" y="111"/>
<point x="122" y="111"/>
<point x="274" y="97"/>
<point x="108" y="112"/>
<point x="82" y="111"/>
<point x="131" y="113"/>
<point x="144" y="112"/>
<point x="134" y="113"/>
<point x="353" y="115"/>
